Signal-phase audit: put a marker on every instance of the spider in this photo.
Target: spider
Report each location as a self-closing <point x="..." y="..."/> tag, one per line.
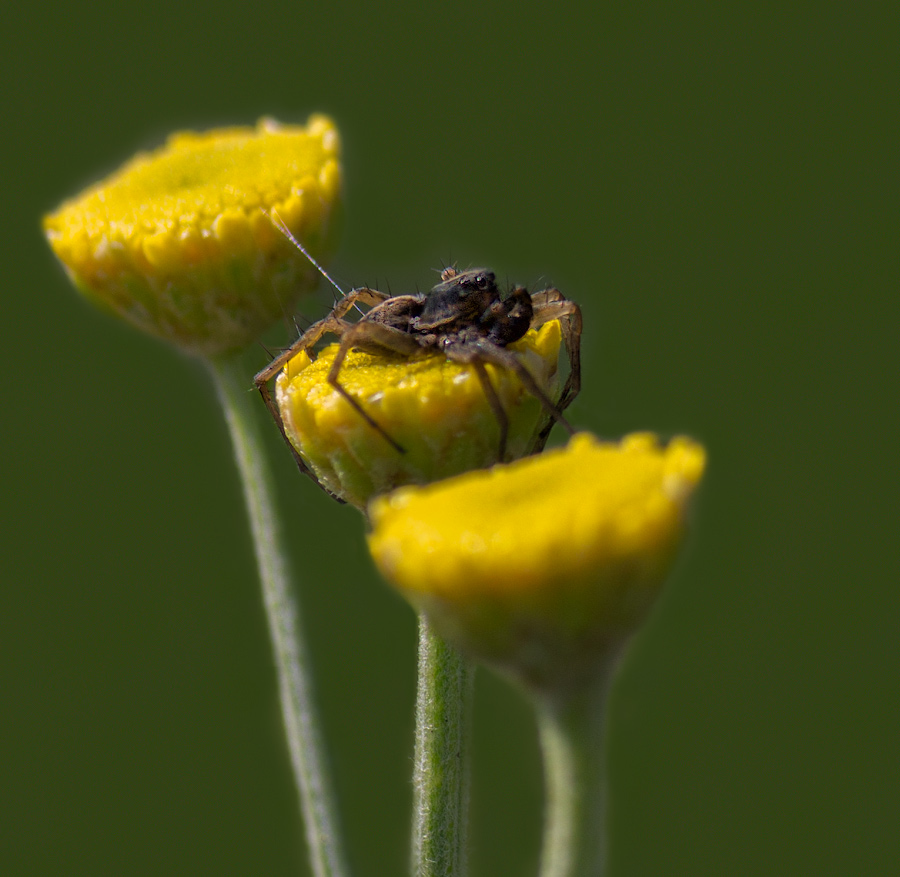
<point x="464" y="318"/>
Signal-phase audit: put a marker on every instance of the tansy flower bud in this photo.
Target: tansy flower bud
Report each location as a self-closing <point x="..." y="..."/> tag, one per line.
<point x="434" y="409"/>
<point x="177" y="243"/>
<point x="544" y="567"/>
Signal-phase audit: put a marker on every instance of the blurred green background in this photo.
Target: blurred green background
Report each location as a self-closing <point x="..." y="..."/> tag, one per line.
<point x="715" y="184"/>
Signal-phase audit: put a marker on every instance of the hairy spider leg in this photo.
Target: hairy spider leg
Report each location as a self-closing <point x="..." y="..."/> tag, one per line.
<point x="465" y="354"/>
<point x="333" y="323"/>
<point x="481" y="350"/>
<point x="551" y="304"/>
<point x="371" y="337"/>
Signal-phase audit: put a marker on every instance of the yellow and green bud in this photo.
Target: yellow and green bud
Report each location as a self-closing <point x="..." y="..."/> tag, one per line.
<point x="434" y="409"/>
<point x="177" y="241"/>
<point x="542" y="568"/>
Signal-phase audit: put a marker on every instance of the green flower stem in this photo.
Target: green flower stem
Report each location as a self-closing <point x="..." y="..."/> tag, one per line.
<point x="572" y="733"/>
<point x="440" y="774"/>
<point x="325" y="850"/>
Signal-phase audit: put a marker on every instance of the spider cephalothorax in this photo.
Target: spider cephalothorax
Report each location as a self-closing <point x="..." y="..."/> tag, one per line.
<point x="465" y="318"/>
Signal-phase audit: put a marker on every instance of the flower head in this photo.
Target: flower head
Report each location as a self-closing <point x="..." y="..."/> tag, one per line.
<point x="177" y="242"/>
<point x="434" y="409"/>
<point x="544" y="567"/>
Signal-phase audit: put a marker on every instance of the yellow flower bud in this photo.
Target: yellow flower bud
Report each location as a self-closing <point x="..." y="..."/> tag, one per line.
<point x="434" y="409"/>
<point x="544" y="567"/>
<point x="176" y="242"/>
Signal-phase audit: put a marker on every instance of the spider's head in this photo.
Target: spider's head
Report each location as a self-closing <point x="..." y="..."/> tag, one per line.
<point x="459" y="298"/>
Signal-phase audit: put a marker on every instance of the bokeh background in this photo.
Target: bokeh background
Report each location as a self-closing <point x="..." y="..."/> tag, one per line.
<point x="714" y="183"/>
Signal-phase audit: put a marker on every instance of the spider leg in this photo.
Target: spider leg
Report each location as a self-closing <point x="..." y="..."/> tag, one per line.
<point x="466" y="354"/>
<point x="312" y="335"/>
<point x="551" y="304"/>
<point x="334" y="324"/>
<point x="487" y="351"/>
<point x="372" y="338"/>
<point x="496" y="406"/>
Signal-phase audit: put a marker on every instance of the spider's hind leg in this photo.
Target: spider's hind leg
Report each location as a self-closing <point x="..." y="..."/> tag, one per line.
<point x="332" y="324"/>
<point x="551" y="304"/>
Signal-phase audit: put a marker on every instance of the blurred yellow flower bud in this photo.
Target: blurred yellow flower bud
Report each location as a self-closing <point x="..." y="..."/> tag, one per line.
<point x="436" y="410"/>
<point x="176" y="242"/>
<point x="544" y="567"/>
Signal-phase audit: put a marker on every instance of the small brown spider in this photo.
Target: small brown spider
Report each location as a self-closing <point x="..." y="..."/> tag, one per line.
<point x="464" y="318"/>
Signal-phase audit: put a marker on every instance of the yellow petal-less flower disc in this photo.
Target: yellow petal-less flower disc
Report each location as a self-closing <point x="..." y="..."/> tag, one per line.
<point x="543" y="567"/>
<point x="436" y="410"/>
<point x="177" y="241"/>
